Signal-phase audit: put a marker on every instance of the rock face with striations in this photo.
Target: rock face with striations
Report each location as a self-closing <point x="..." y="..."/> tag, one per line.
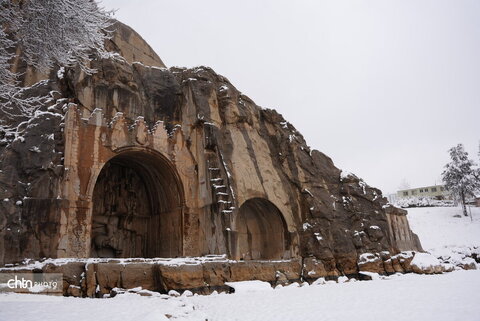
<point x="139" y="160"/>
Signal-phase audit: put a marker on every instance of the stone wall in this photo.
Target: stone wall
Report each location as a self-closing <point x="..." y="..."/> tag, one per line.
<point x="100" y="277"/>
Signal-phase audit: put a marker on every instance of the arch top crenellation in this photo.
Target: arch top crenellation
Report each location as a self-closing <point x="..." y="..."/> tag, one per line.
<point x="97" y="117"/>
<point x="108" y="136"/>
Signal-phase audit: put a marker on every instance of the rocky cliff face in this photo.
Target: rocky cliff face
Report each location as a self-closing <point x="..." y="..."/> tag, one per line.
<point x="138" y="151"/>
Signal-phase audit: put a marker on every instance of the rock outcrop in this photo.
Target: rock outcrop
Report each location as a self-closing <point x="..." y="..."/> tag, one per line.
<point x="139" y="160"/>
<point x="124" y="42"/>
<point x="130" y="45"/>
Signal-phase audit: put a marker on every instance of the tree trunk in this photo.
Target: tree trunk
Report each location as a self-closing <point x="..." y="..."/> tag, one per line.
<point x="463" y="204"/>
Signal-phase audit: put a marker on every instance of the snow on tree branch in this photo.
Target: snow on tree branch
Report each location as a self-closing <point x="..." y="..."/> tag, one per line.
<point x="63" y="32"/>
<point x="459" y="175"/>
<point x="48" y="33"/>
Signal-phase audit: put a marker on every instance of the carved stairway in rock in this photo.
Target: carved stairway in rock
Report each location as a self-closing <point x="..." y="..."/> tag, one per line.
<point x="222" y="193"/>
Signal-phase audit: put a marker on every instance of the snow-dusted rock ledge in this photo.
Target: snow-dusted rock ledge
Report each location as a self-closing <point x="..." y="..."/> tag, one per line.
<point x="417" y="262"/>
<point x="96" y="277"/>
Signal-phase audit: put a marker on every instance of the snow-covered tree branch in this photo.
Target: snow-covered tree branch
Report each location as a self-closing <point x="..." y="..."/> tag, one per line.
<point x="47" y="33"/>
<point x="63" y="32"/>
<point x="459" y="176"/>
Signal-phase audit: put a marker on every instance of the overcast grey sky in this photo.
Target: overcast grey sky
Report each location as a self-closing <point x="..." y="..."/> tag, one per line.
<point x="382" y="87"/>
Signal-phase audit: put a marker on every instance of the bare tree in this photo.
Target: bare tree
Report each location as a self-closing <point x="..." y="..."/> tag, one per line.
<point x="49" y="33"/>
<point x="63" y="32"/>
<point x="7" y="44"/>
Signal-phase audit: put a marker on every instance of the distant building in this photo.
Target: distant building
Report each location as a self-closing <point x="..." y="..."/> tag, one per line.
<point x="435" y="191"/>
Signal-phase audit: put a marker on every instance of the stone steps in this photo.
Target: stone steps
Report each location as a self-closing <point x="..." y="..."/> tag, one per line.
<point x="220" y="195"/>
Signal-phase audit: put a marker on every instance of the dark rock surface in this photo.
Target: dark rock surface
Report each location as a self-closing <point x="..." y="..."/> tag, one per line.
<point x="330" y="218"/>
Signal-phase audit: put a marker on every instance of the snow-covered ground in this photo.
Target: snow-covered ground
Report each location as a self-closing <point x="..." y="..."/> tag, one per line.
<point x="447" y="234"/>
<point x="450" y="296"/>
<point x="437" y="227"/>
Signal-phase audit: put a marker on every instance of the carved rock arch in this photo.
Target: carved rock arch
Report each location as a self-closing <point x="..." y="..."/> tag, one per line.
<point x="137" y="208"/>
<point x="261" y="232"/>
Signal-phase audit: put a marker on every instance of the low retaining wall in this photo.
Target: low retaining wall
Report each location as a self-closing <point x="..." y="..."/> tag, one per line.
<point x="97" y="277"/>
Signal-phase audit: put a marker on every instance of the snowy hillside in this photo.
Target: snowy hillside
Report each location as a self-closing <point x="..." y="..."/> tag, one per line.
<point x="437" y="227"/>
<point x="449" y="296"/>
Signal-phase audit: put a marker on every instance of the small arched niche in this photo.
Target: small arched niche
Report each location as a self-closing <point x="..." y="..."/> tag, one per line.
<point x="261" y="231"/>
<point x="137" y="208"/>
